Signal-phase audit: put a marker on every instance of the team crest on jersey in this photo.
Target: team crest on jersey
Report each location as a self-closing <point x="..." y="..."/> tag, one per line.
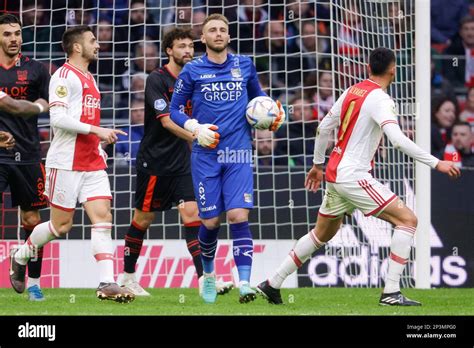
<point x="236" y="73"/>
<point x="61" y="91"/>
<point x="160" y="104"/>
<point x="22" y="75"/>
<point x="247" y="197"/>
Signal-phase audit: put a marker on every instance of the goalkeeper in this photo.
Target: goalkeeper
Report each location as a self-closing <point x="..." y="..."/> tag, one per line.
<point x="220" y="85"/>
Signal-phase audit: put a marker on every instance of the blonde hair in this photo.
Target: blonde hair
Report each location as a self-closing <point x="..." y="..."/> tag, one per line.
<point x="215" y="16"/>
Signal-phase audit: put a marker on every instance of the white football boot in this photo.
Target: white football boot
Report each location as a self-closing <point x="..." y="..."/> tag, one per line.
<point x="129" y="282"/>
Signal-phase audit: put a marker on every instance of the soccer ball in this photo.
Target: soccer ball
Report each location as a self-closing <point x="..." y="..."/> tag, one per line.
<point x="261" y="112"/>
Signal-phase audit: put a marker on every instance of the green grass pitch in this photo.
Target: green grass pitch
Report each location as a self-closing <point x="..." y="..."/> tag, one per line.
<point x="303" y="301"/>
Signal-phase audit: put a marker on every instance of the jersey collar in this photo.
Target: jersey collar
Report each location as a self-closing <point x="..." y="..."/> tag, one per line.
<point x="169" y="71"/>
<point x="206" y="58"/>
<point x="18" y="58"/>
<point x="78" y="70"/>
<point x="375" y="83"/>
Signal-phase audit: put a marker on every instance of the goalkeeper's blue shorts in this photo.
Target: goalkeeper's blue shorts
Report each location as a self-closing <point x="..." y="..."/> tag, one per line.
<point x="221" y="182"/>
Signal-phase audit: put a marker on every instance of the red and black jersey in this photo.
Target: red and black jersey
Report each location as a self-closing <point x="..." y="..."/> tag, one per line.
<point x="26" y="79"/>
<point x="161" y="152"/>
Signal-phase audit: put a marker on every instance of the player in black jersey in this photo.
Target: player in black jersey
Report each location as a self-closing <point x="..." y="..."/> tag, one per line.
<point x="163" y="163"/>
<point x="20" y="167"/>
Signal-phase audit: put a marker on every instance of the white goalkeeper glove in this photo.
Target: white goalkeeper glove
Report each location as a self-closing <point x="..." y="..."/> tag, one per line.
<point x="279" y="119"/>
<point x="206" y="137"/>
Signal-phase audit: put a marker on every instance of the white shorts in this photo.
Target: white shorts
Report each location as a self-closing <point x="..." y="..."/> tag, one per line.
<point x="64" y="188"/>
<point x="367" y="195"/>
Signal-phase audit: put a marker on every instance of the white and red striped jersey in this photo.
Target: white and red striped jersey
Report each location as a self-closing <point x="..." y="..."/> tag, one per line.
<point x="362" y="111"/>
<point x="79" y="96"/>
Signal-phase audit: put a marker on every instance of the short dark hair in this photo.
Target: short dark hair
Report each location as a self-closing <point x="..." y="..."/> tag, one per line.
<point x="175" y="34"/>
<point x="380" y="59"/>
<point x="465" y="20"/>
<point x="9" y="18"/>
<point x="462" y="123"/>
<point x="73" y="35"/>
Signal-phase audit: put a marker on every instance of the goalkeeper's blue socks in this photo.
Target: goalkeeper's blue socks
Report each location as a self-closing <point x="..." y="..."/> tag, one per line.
<point x="242" y="249"/>
<point x="208" y="244"/>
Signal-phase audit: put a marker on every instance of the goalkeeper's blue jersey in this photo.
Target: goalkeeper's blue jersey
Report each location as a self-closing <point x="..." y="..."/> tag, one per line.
<point x="219" y="94"/>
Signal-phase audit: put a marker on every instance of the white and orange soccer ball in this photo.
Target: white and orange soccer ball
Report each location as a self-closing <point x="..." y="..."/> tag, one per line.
<point x="265" y="113"/>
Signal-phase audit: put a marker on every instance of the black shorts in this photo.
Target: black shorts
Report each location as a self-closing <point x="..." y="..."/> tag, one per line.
<point x="155" y="193"/>
<point x="26" y="185"/>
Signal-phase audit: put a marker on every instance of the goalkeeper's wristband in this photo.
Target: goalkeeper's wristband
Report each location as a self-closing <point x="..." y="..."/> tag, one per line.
<point x="41" y="107"/>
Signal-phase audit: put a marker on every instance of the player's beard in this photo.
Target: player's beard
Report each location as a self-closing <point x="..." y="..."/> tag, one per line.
<point x="182" y="61"/>
<point x="217" y="49"/>
<point x="90" y="57"/>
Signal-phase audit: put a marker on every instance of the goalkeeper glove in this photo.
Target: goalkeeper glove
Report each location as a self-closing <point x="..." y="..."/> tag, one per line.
<point x="279" y="119"/>
<point x="206" y="137"/>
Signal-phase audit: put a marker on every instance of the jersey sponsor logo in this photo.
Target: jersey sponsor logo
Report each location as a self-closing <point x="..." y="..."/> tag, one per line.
<point x="202" y="193"/>
<point x="222" y="91"/>
<point x="61" y="91"/>
<point x="160" y="104"/>
<point x="337" y="150"/>
<point x="208" y="76"/>
<point x="212" y="207"/>
<point x="91" y="102"/>
<point x="16" y="92"/>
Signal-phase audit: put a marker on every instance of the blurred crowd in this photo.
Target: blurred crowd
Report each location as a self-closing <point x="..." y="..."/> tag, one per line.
<point x="452" y="81"/>
<point x="290" y="43"/>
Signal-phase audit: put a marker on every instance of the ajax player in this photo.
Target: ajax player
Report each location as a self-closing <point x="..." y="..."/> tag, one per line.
<point x="75" y="165"/>
<point x="363" y="113"/>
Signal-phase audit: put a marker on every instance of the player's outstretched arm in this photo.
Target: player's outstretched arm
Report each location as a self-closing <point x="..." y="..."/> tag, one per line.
<point x="401" y="142"/>
<point x="106" y="134"/>
<point x="23" y="108"/>
<point x="7" y="140"/>
<point x="60" y="119"/>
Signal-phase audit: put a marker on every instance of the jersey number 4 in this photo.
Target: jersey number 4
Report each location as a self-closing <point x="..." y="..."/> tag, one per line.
<point x="346" y="119"/>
